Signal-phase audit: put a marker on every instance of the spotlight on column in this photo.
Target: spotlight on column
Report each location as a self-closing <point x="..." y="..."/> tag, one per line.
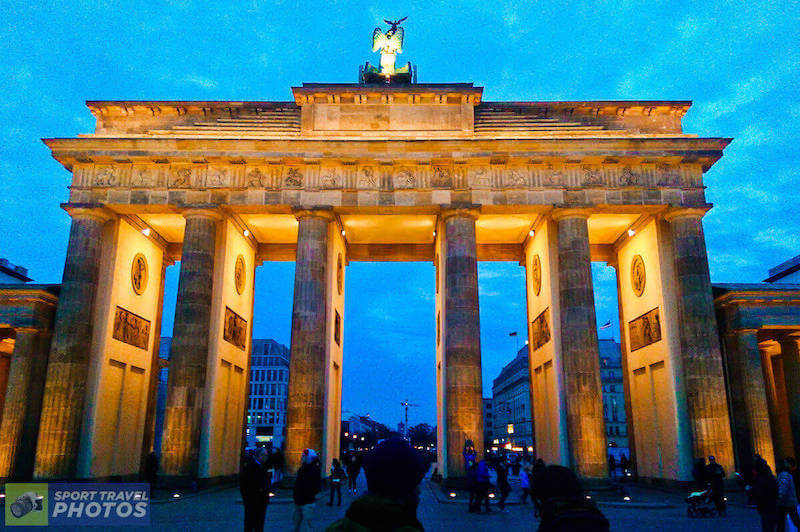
<point x="346" y="434"/>
<point x="26" y="503"/>
<point x="176" y="495"/>
<point x="434" y="233"/>
<point x="452" y="494"/>
<point x="342" y="232"/>
<point x="146" y="231"/>
<point x="631" y="232"/>
<point x="271" y="494"/>
<point x="491" y="495"/>
<point x="246" y="232"/>
<point x="531" y="232"/>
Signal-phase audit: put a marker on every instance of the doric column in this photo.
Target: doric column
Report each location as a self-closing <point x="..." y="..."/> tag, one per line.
<point x="305" y="419"/>
<point x="584" y="400"/>
<point x="757" y="437"/>
<point x="462" y="338"/>
<point x="23" y="403"/>
<point x="68" y="367"/>
<point x="790" y="347"/>
<point x="700" y="349"/>
<point x="148" y="441"/>
<point x="189" y="350"/>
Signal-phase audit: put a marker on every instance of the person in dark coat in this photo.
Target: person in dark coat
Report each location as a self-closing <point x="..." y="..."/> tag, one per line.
<point x="715" y="477"/>
<point x="472" y="486"/>
<point x="564" y="506"/>
<point x="254" y="485"/>
<point x="353" y="470"/>
<point x="394" y="470"/>
<point x="306" y="487"/>
<point x="699" y="473"/>
<point x="765" y="494"/>
<point x="536" y="475"/>
<point x="336" y="477"/>
<point x="151" y="470"/>
<point x="502" y="484"/>
<point x="484" y="483"/>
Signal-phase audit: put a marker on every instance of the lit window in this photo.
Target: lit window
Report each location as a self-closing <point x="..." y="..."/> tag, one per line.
<point x="510" y="428"/>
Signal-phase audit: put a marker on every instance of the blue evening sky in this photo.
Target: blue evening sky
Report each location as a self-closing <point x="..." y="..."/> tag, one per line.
<point x="738" y="62"/>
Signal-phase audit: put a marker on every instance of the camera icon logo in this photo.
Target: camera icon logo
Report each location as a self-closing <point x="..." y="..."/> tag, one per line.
<point x="26" y="504"/>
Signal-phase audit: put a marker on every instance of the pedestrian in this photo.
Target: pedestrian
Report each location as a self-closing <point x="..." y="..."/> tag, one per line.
<point x="336" y="477"/>
<point x="765" y="495"/>
<point x="612" y="467"/>
<point x="624" y="464"/>
<point x="525" y="484"/>
<point x="254" y="485"/>
<point x="353" y="470"/>
<point x="394" y="470"/>
<point x="791" y="463"/>
<point x="306" y="487"/>
<point x="715" y="477"/>
<point x="536" y="487"/>
<point x="564" y="506"/>
<point x="787" y="497"/>
<point x="151" y="471"/>
<point x="472" y="486"/>
<point x="699" y="473"/>
<point x="278" y="462"/>
<point x="502" y="484"/>
<point x="484" y="484"/>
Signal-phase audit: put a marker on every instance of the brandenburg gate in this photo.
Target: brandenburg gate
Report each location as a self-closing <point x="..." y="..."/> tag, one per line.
<point x="372" y="171"/>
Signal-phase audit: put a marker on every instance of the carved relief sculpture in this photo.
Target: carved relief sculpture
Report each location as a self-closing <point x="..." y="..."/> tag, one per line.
<point x="219" y="177"/>
<point x="516" y="177"/>
<point x="339" y="274"/>
<point x="540" y="329"/>
<point x="591" y="175"/>
<point x="256" y="178"/>
<point x="536" y="275"/>
<point x="367" y="177"/>
<point x="105" y="176"/>
<point x="139" y="274"/>
<point x="667" y="175"/>
<point x="330" y="179"/>
<point x="235" y="331"/>
<point x="337" y="328"/>
<point x="404" y="178"/>
<point x="645" y="330"/>
<point x="442" y="177"/>
<point x="480" y="177"/>
<point x="239" y="274"/>
<point x="131" y="329"/>
<point x="630" y="178"/>
<point x="293" y="177"/>
<point x="638" y="275"/>
<point x="180" y="177"/>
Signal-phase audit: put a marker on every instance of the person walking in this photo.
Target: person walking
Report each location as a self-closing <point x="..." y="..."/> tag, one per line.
<point x="254" y="485"/>
<point x="537" y="489"/>
<point x="394" y="470"/>
<point x="151" y="471"/>
<point x="612" y="467"/>
<point x="715" y="477"/>
<point x="787" y="497"/>
<point x="484" y="483"/>
<point x="336" y="477"/>
<point x="525" y="484"/>
<point x="472" y="486"/>
<point x="765" y="495"/>
<point x="306" y="487"/>
<point x="353" y="470"/>
<point x="502" y="484"/>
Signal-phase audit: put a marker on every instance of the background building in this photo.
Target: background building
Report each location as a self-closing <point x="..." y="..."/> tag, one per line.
<point x="613" y="398"/>
<point x="11" y="274"/>
<point x="785" y="272"/>
<point x="512" y="426"/>
<point x="269" y="383"/>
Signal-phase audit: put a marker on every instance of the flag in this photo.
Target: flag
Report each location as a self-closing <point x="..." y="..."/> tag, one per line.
<point x="512" y="333"/>
<point x="606" y="325"/>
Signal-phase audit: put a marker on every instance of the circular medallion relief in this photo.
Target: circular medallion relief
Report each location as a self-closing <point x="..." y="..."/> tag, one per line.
<point x="536" y="275"/>
<point x="638" y="277"/>
<point x="239" y="274"/>
<point x="339" y="274"/>
<point x="139" y="274"/>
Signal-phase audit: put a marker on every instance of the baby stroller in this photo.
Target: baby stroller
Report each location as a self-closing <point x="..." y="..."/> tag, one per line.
<point x="701" y="504"/>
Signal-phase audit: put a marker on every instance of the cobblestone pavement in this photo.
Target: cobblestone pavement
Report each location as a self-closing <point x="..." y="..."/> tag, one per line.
<point x="222" y="510"/>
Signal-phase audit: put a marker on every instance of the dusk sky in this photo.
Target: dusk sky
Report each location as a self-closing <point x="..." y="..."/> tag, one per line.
<point x="738" y="61"/>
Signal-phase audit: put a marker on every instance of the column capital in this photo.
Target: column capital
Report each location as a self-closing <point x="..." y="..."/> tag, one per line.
<point x="688" y="212"/>
<point x="97" y="211"/>
<point x="323" y="212"/>
<point x="560" y="214"/>
<point x="743" y="330"/>
<point x="27" y="330"/>
<point x="203" y="211"/>
<point x="466" y="210"/>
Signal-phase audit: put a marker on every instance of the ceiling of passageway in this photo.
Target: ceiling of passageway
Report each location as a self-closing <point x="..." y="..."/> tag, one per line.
<point x="398" y="229"/>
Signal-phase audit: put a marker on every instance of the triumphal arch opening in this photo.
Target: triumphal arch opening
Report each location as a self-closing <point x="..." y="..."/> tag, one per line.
<point x="382" y="170"/>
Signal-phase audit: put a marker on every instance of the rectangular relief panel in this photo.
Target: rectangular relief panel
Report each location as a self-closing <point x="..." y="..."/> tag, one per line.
<point x="131" y="329"/>
<point x="645" y="330"/>
<point x="540" y="329"/>
<point x="235" y="331"/>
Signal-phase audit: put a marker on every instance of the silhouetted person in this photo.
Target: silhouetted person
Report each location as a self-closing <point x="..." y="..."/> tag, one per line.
<point x="715" y="477"/>
<point x="787" y="497"/>
<point x="254" y="485"/>
<point x="336" y="477"/>
<point x="394" y="470"/>
<point x="699" y="473"/>
<point x="536" y="485"/>
<point x="525" y="484"/>
<point x="765" y="494"/>
<point x="625" y="464"/>
<point x="484" y="484"/>
<point x="564" y="506"/>
<point x="472" y="486"/>
<point x="612" y="467"/>
<point x="151" y="471"/>
<point x="502" y="483"/>
<point x="306" y="488"/>
<point x="353" y="470"/>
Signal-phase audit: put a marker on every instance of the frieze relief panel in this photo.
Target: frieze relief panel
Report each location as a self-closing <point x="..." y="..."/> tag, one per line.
<point x="131" y="329"/>
<point x="645" y="330"/>
<point x="385" y="176"/>
<point x="540" y="329"/>
<point x="235" y="329"/>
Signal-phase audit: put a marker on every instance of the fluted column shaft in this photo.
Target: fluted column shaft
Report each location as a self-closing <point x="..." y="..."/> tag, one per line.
<point x="462" y="340"/>
<point x="68" y="367"/>
<point x="189" y="350"/>
<point x="758" y="436"/>
<point x="305" y="419"/>
<point x="699" y="341"/>
<point x="579" y="349"/>
<point x="23" y="403"/>
<point x="790" y="348"/>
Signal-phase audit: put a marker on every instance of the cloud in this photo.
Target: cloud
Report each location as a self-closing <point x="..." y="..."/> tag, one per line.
<point x="779" y="237"/>
<point x="200" y="81"/>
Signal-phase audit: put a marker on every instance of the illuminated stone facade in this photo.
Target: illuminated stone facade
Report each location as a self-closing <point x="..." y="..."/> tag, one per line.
<point x="348" y="172"/>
